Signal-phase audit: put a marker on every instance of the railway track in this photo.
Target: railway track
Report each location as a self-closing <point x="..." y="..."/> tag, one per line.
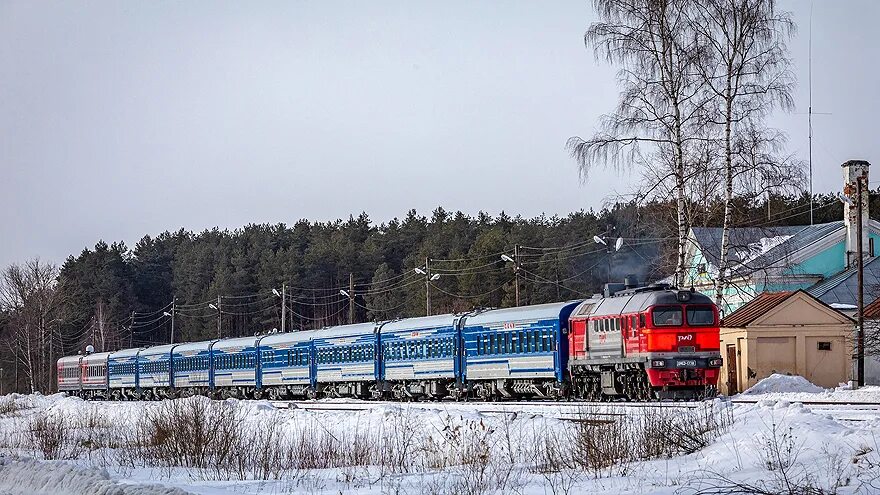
<point x="578" y="411"/>
<point x="568" y="411"/>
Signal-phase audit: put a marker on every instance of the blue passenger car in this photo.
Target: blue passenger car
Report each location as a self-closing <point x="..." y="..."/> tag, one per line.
<point x="517" y="351"/>
<point x="123" y="374"/>
<point x="191" y="364"/>
<point x="235" y="367"/>
<point x="346" y="360"/>
<point x="419" y="357"/>
<point x="287" y="364"/>
<point x="154" y="371"/>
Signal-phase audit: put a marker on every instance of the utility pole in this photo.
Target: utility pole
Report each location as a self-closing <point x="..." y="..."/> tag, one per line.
<point x="283" y="307"/>
<point x="350" y="298"/>
<point x="860" y="336"/>
<point x="428" y="279"/>
<point x="427" y="288"/>
<point x="219" y="316"/>
<point x="350" y="295"/>
<point x="515" y="261"/>
<point x="173" y="307"/>
<point x="131" y="331"/>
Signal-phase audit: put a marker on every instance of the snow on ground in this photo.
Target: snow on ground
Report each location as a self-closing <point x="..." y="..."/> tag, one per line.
<point x="31" y="477"/>
<point x="777" y="383"/>
<point x="443" y="448"/>
<point x="798" y="389"/>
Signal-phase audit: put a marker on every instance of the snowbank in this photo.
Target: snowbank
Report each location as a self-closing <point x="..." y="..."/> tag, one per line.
<point x="777" y="383"/>
<point x="31" y="477"/>
<point x="510" y="436"/>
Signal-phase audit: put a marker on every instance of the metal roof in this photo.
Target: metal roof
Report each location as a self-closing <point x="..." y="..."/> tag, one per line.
<point x="744" y="239"/>
<point x="843" y="287"/>
<point x="235" y="342"/>
<point x="97" y="356"/>
<point x="159" y="349"/>
<point x="872" y="311"/>
<point x="434" y="321"/>
<point x="193" y="346"/>
<point x="287" y="337"/>
<point x="70" y="359"/>
<point x="535" y="312"/>
<point x="754" y="309"/>
<point x="345" y="330"/>
<point x="125" y="353"/>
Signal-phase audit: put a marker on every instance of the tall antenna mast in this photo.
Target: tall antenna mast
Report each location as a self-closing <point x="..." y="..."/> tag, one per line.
<point x="810" y="109"/>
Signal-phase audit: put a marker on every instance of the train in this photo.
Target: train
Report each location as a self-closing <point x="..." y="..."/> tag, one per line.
<point x="634" y="343"/>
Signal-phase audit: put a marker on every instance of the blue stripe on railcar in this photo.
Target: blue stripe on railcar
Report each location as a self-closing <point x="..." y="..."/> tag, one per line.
<point x="519" y="348"/>
<point x="154" y="370"/>
<point x="284" y="364"/>
<point x="239" y="365"/>
<point x="123" y="372"/>
<point x="345" y="358"/>
<point x="192" y="370"/>
<point x="423" y="353"/>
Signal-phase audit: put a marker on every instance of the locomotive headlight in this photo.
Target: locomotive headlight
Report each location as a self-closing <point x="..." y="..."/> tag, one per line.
<point x="715" y="362"/>
<point x="658" y="363"/>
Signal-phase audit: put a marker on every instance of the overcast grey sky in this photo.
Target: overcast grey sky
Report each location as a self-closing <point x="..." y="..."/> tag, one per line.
<point x="119" y="119"/>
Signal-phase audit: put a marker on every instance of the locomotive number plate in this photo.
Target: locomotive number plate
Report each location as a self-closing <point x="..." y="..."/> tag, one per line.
<point x="686" y="363"/>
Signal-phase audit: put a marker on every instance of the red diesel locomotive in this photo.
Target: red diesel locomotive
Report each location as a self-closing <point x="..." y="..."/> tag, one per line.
<point x="644" y="343"/>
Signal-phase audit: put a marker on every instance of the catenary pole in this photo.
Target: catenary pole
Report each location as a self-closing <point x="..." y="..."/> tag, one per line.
<point x="516" y="271"/>
<point x="860" y="336"/>
<point x="350" y="298"/>
<point x="283" y="307"/>
<point x="219" y="318"/>
<point x="173" y="307"/>
<point x="427" y="288"/>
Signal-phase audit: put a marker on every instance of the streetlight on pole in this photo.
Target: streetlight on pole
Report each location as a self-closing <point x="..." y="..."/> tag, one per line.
<point x="219" y="317"/>
<point x="283" y="296"/>
<point x="515" y="261"/>
<point x="171" y="314"/>
<point x="603" y="240"/>
<point x="428" y="279"/>
<point x="350" y="296"/>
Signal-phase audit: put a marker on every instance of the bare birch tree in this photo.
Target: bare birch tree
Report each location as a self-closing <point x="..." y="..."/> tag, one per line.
<point x="660" y="100"/>
<point x="29" y="294"/>
<point x="745" y="70"/>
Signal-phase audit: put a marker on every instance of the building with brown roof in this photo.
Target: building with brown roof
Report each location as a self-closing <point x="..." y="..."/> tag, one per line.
<point x="788" y="332"/>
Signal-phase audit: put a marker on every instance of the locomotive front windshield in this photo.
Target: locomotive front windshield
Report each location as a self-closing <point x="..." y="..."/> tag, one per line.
<point x="700" y="316"/>
<point x="666" y="316"/>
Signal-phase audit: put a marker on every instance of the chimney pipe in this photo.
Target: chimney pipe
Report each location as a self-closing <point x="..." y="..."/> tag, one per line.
<point x="855" y="171"/>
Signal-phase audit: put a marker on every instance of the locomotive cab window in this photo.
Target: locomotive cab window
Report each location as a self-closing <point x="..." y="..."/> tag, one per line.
<point x="666" y="316"/>
<point x="700" y="316"/>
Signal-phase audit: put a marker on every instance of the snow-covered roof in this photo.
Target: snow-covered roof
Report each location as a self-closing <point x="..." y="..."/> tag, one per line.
<point x="345" y="330"/>
<point x="287" y="338"/>
<point x="435" y="321"/>
<point x="95" y="358"/>
<point x="159" y="349"/>
<point x="193" y="346"/>
<point x="124" y="353"/>
<point x="70" y="360"/>
<point x="235" y="343"/>
<point x="535" y="312"/>
<point x="754" y="248"/>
